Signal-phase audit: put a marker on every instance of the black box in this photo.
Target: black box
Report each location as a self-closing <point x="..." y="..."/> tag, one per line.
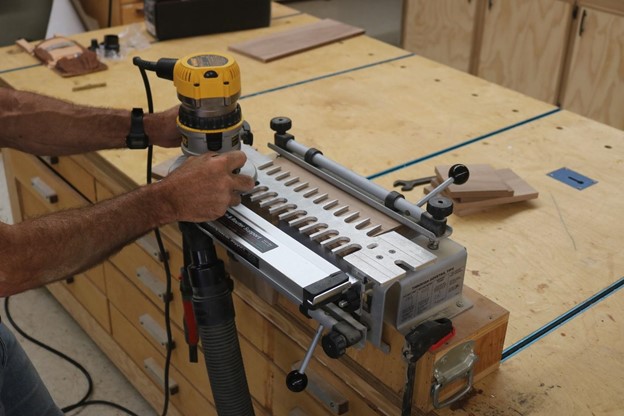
<point x="170" y="19"/>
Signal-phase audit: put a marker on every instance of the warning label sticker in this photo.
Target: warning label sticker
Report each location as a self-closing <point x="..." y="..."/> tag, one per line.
<point x="426" y="294"/>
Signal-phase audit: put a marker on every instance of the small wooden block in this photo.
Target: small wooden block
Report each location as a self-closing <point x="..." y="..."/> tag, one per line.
<point x="483" y="183"/>
<point x="288" y="42"/>
<point x="522" y="191"/>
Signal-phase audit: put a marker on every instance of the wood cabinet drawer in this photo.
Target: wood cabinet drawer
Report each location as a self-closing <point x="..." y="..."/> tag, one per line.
<point x="91" y="298"/>
<point x="43" y="184"/>
<point x="150" y="321"/>
<point x="148" y="276"/>
<point x="145" y="355"/>
<point x="73" y="173"/>
<point x="96" y="275"/>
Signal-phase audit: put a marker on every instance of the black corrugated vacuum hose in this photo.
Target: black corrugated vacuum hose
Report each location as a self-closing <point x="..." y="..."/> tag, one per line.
<point x="214" y="312"/>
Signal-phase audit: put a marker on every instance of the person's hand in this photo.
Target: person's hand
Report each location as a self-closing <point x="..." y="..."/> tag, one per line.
<point x="161" y="128"/>
<point x="204" y="187"/>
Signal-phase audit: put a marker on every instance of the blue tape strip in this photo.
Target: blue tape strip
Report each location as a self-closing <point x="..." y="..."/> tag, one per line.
<point x="5" y="71"/>
<point x="556" y="323"/>
<point x="333" y="74"/>
<point x="462" y="144"/>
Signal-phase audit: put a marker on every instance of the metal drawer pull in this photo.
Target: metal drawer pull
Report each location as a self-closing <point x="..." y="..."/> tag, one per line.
<point x="149" y="244"/>
<point x="155" y="330"/>
<point x="43" y="189"/>
<point x="155" y="372"/>
<point x="152" y="283"/>
<point x="457" y="363"/>
<point x="50" y="160"/>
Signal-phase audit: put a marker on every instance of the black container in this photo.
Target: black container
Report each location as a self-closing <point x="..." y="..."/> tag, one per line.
<point x="170" y="19"/>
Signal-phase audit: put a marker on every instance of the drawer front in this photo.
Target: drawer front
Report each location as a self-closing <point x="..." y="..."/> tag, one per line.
<point x="96" y="276"/>
<point x="36" y="178"/>
<point x="91" y="298"/>
<point x="187" y="398"/>
<point x="74" y="174"/>
<point x="30" y="204"/>
<point x="150" y="322"/>
<point x="148" y="275"/>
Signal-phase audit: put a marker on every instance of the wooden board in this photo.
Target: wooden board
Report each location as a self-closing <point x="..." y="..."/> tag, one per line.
<point x="270" y="47"/>
<point x="521" y="191"/>
<point x="483" y="182"/>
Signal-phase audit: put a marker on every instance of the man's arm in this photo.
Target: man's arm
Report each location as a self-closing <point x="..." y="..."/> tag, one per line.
<point x="39" y="251"/>
<point x="48" y="126"/>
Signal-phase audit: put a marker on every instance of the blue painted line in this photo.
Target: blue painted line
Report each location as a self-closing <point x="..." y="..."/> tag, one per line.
<point x="462" y="144"/>
<point x="556" y="323"/>
<point x="333" y="74"/>
<point x="5" y="71"/>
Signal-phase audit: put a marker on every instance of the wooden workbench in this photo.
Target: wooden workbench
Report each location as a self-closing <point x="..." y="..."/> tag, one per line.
<point x="389" y="114"/>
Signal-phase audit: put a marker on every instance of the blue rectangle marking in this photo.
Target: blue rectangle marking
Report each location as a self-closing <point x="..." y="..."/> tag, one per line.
<point x="572" y="178"/>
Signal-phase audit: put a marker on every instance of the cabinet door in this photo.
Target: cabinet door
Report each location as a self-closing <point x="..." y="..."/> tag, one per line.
<point x="523" y="45"/>
<point x="441" y="30"/>
<point x="595" y="85"/>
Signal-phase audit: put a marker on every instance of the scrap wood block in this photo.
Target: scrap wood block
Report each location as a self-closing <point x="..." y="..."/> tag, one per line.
<point x="483" y="183"/>
<point x="522" y="191"/>
<point x="288" y="42"/>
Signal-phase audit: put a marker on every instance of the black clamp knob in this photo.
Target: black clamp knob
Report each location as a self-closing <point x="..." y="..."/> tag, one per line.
<point x="296" y="381"/>
<point x="440" y="207"/>
<point x="334" y="344"/>
<point x="280" y="125"/>
<point x="459" y="173"/>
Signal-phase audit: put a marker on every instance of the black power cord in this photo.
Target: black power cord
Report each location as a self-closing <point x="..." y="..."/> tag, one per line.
<point x="85" y="399"/>
<point x="163" y="254"/>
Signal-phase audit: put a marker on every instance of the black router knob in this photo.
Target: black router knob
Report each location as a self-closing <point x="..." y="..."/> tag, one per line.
<point x="281" y="124"/>
<point x="440" y="207"/>
<point x="334" y="344"/>
<point x="459" y="173"/>
<point x="296" y="381"/>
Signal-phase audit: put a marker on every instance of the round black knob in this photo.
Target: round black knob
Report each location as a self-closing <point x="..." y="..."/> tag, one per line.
<point x="334" y="344"/>
<point x="296" y="381"/>
<point x="281" y="124"/>
<point x="459" y="173"/>
<point x="440" y="207"/>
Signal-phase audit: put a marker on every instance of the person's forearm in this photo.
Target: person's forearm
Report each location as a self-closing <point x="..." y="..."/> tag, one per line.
<point x="43" y="250"/>
<point x="47" y="126"/>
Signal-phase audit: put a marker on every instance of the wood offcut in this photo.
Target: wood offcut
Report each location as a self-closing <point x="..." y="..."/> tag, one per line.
<point x="292" y="41"/>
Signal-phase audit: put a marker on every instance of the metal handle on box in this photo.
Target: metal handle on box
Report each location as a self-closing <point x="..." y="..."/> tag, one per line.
<point x="457" y="363"/>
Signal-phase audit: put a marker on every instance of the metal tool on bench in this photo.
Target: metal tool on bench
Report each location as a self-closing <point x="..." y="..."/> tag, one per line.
<point x="295" y="231"/>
